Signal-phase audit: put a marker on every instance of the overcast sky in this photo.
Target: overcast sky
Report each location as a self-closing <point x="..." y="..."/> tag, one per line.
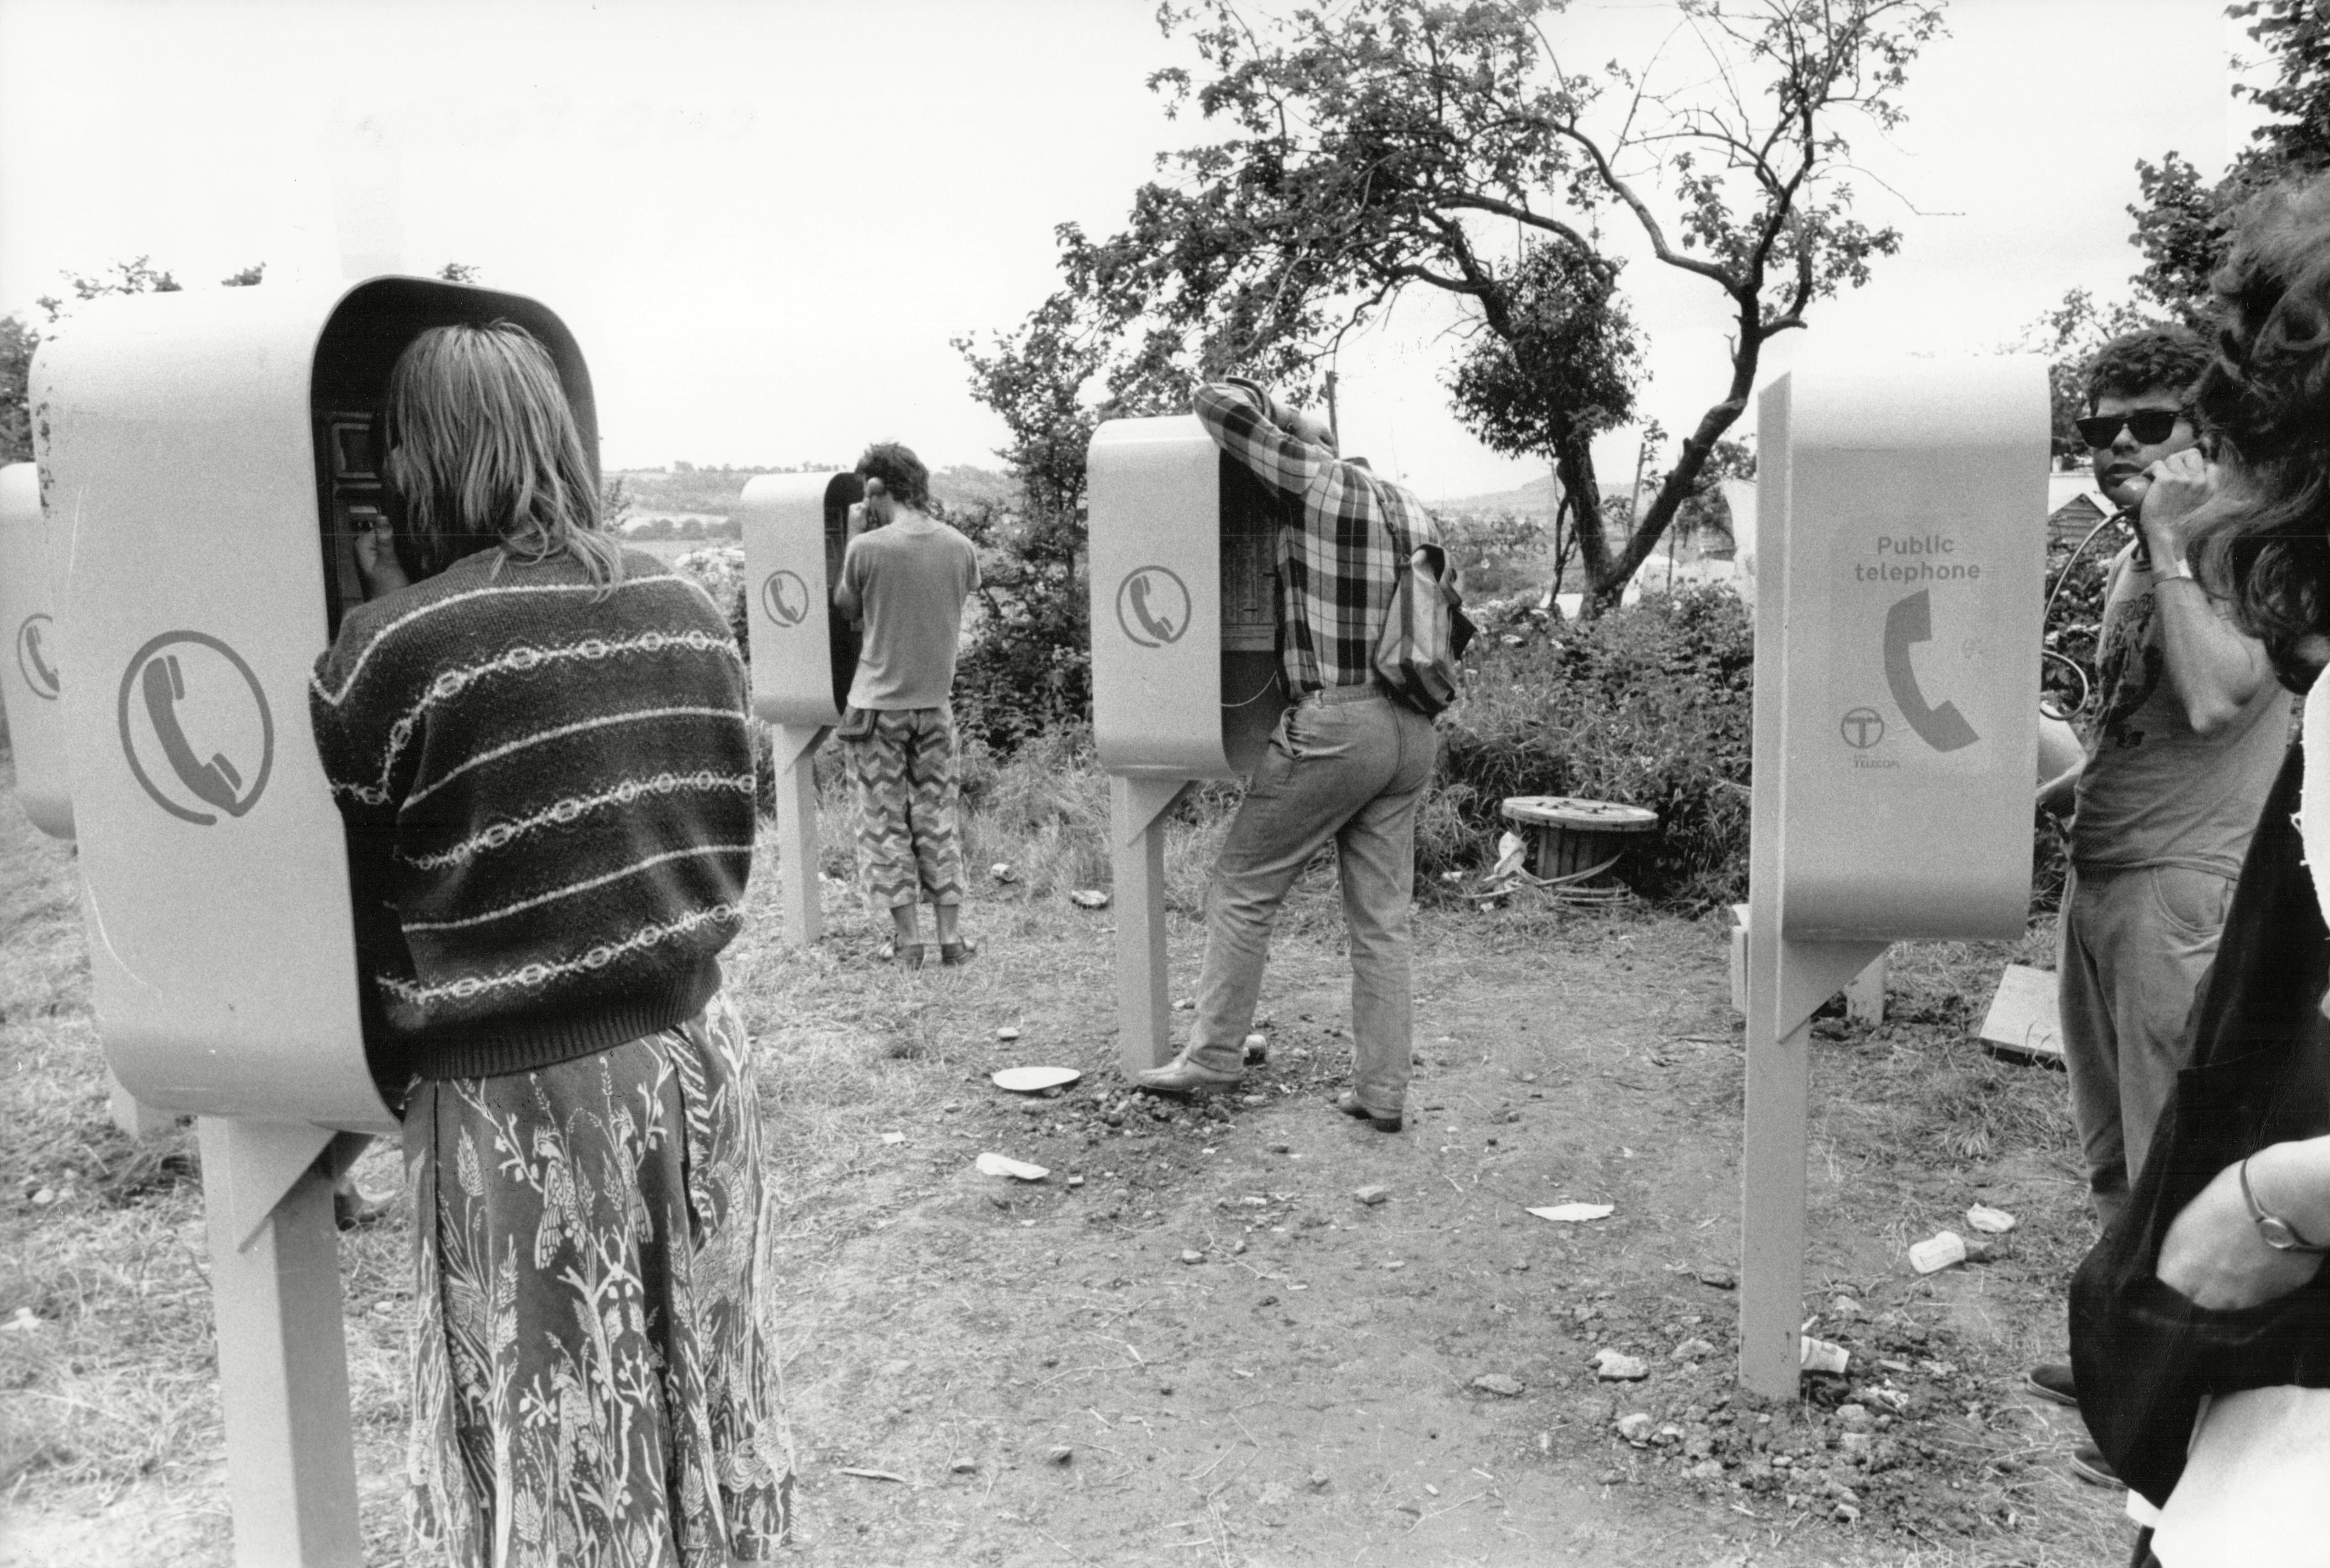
<point x="765" y="222"/>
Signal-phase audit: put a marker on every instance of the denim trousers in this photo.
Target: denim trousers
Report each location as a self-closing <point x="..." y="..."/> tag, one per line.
<point x="2132" y="946"/>
<point x="1349" y="769"/>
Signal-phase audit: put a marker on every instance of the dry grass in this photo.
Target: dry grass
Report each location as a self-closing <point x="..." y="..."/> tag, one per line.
<point x="108" y="1425"/>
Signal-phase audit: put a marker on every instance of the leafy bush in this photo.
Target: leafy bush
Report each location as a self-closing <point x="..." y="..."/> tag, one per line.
<point x="1650" y="705"/>
<point x="1028" y="673"/>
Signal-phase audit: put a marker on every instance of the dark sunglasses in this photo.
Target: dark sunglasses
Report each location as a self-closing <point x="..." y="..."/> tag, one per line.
<point x="2150" y="426"/>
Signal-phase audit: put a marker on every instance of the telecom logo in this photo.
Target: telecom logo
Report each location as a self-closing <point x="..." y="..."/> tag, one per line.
<point x="35" y="657"/>
<point x="1152" y="605"/>
<point x="785" y="598"/>
<point x="1861" y="727"/>
<point x="196" y="727"/>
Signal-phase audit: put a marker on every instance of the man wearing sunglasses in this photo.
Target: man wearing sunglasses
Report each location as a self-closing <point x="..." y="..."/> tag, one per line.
<point x="2184" y="732"/>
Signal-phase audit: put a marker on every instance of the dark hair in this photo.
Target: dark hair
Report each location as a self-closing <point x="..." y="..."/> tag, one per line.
<point x="2263" y="539"/>
<point x="482" y="449"/>
<point x="902" y="474"/>
<point x="2156" y="360"/>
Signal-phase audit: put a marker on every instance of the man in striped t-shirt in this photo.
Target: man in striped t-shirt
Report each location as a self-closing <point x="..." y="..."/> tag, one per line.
<point x="1347" y="762"/>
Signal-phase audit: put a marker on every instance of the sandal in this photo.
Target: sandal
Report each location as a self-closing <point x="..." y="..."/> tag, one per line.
<point x="955" y="954"/>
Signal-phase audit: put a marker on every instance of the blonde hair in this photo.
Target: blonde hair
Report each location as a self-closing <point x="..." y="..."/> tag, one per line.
<point x="482" y="449"/>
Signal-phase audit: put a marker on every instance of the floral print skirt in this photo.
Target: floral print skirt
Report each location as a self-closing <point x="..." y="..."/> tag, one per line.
<point x="594" y="1379"/>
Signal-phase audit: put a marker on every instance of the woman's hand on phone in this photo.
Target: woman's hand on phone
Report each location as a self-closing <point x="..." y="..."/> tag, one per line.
<point x="377" y="569"/>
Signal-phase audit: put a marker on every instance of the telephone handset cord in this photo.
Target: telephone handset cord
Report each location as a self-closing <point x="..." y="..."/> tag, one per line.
<point x="2087" y="686"/>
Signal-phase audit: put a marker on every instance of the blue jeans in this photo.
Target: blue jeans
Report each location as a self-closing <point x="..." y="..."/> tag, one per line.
<point x="1349" y="768"/>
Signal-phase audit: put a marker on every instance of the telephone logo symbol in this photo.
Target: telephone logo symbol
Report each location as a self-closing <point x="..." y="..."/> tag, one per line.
<point x="1152" y="605"/>
<point x="185" y="693"/>
<point x="1940" y="725"/>
<point x="1861" y="727"/>
<point x="34" y="657"/>
<point x="785" y="598"/>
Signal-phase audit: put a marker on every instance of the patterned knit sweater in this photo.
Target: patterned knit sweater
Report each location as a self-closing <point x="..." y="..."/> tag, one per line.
<point x="549" y="804"/>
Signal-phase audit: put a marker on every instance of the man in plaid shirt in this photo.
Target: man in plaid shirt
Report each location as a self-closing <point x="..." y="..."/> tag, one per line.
<point x="1347" y="760"/>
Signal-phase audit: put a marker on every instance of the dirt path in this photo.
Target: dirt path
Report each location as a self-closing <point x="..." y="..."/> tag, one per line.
<point x="1246" y="1363"/>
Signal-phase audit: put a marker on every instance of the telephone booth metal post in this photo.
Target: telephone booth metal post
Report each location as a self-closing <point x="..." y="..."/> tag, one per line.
<point x="211" y="454"/>
<point x="1184" y="665"/>
<point x="1900" y="530"/>
<point x="804" y="655"/>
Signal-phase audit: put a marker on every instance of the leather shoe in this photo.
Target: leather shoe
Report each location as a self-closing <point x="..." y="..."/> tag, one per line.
<point x="2051" y="1380"/>
<point x="1347" y="1102"/>
<point x="2088" y="1463"/>
<point x="1183" y="1076"/>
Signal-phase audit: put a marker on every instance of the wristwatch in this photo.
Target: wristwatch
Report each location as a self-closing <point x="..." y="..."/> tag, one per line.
<point x="2273" y="1229"/>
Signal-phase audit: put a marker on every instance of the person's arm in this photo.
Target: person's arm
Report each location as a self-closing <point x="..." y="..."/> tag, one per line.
<point x="2215" y="1254"/>
<point x="847" y="598"/>
<point x="2214" y="670"/>
<point x="1253" y="436"/>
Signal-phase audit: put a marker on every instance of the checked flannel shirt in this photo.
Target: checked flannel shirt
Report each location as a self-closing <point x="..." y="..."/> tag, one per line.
<point x="1337" y="569"/>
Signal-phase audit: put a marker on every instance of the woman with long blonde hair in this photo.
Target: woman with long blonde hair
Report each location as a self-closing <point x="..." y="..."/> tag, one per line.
<point x="540" y="748"/>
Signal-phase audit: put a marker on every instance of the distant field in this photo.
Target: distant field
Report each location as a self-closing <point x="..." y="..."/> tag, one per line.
<point x="673" y="549"/>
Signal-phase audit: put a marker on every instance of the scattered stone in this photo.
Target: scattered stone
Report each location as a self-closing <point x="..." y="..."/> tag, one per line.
<point x="1692" y="1350"/>
<point x="1184" y="1005"/>
<point x="1616" y="1366"/>
<point x="1857" y="1445"/>
<point x="1318" y="1482"/>
<point x="1076" y="1181"/>
<point x="1251" y="1100"/>
<point x="1238" y="1246"/>
<point x="1273" y="1495"/>
<point x="1007" y="1032"/>
<point x="894" y="1137"/>
<point x="1395" y="1263"/>
<point x="1855" y="1418"/>
<point x="1720" y="1278"/>
<point x="1636" y="1427"/>
<point x="45" y="1197"/>
<point x="1190" y="1254"/>
<point x="1165" y="1388"/>
<point x="949" y="1108"/>
<point x="1281" y="1148"/>
<point x="965" y="1466"/>
<point x="1060" y="1454"/>
<point x="1706" y="1470"/>
<point x="1372" y="1196"/>
<point x="1845" y="1513"/>
<point x="1667" y="1436"/>
<point x="998" y="1199"/>
<point x="1498" y="1383"/>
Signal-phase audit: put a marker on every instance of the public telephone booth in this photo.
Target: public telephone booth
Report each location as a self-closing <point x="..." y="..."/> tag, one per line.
<point x="31" y="681"/>
<point x="803" y="654"/>
<point x="1184" y="545"/>
<point x="218" y="453"/>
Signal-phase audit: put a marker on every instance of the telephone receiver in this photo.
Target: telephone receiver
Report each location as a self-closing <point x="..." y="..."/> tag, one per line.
<point x="1943" y="728"/>
<point x="215" y="781"/>
<point x="1161" y="629"/>
<point x="41" y="666"/>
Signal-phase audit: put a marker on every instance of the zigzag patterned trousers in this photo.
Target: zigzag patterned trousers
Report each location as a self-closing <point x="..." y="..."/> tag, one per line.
<point x="908" y="848"/>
